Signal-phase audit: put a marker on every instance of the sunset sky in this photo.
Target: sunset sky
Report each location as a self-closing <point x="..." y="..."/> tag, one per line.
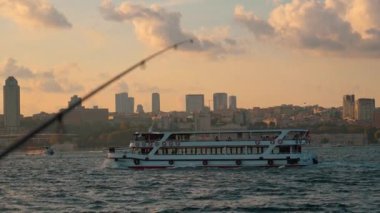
<point x="266" y="52"/>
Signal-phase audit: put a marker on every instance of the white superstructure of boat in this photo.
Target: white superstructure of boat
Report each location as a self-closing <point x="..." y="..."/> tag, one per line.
<point x="245" y="148"/>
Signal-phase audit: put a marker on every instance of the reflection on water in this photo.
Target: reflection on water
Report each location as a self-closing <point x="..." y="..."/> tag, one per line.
<point x="347" y="179"/>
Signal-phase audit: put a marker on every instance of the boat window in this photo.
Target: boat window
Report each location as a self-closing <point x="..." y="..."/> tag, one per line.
<point x="159" y="152"/>
<point x="219" y="150"/>
<point x="246" y="136"/>
<point x="139" y="137"/>
<point x="234" y="150"/>
<point x="249" y="149"/>
<point x="146" y="150"/>
<point x="267" y="136"/>
<point x="174" y="151"/>
<point x="284" y="149"/>
<point x="281" y="150"/>
<point x="239" y="135"/>
<point x="136" y="150"/>
<point x="179" y="137"/>
<point x="201" y="137"/>
<point x="275" y="150"/>
<point x="261" y="149"/>
<point x="168" y="151"/>
<point x="296" y="149"/>
<point x="296" y="135"/>
<point x="180" y="151"/>
<point x="147" y="137"/>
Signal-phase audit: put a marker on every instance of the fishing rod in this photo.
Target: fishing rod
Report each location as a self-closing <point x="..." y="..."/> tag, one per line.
<point x="59" y="116"/>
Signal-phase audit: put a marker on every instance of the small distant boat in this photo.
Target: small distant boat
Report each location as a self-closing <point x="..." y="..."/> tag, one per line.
<point x="47" y="150"/>
<point x="223" y="149"/>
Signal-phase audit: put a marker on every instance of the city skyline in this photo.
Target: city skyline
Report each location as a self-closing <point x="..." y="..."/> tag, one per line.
<point x="124" y="104"/>
<point x="243" y="51"/>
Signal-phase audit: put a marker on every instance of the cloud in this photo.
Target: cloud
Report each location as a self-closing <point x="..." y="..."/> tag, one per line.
<point x="48" y="83"/>
<point x="145" y="88"/>
<point x="158" y="27"/>
<point x="10" y="68"/>
<point x="341" y="27"/>
<point x="259" y="27"/>
<point x="57" y="82"/>
<point x="122" y="86"/>
<point x="54" y="81"/>
<point x="33" y="13"/>
<point x="95" y="39"/>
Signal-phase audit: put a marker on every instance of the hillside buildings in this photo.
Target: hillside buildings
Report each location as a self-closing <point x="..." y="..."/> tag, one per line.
<point x="226" y="115"/>
<point x="81" y="115"/>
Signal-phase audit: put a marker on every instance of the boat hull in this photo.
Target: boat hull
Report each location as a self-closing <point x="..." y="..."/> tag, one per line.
<point x="130" y="163"/>
<point x="227" y="149"/>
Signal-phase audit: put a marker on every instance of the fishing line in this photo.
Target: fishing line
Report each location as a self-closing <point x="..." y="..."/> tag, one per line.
<point x="59" y="116"/>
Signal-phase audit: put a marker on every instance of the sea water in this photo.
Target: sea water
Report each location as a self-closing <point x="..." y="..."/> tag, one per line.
<point x="346" y="180"/>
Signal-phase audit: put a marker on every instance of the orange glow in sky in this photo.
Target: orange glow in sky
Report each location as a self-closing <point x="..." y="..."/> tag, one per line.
<point x="265" y="52"/>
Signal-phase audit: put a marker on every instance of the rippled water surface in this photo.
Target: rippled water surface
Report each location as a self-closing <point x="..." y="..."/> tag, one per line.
<point x="346" y="180"/>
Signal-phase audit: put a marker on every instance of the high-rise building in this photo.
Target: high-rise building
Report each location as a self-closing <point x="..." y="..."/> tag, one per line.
<point x="156" y="103"/>
<point x="121" y="100"/>
<point x="140" y="109"/>
<point x="349" y="107"/>
<point x="377" y="118"/>
<point x="365" y="109"/>
<point x="232" y="102"/>
<point x="74" y="100"/>
<point x="11" y="103"/>
<point x="194" y="103"/>
<point x="220" y="101"/>
<point x="130" y="105"/>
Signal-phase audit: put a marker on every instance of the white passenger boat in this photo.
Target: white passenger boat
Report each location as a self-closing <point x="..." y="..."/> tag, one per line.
<point x="248" y="148"/>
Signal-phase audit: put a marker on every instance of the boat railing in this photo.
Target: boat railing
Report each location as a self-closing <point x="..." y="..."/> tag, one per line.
<point x="277" y="141"/>
<point x="222" y="139"/>
<point x="238" y="139"/>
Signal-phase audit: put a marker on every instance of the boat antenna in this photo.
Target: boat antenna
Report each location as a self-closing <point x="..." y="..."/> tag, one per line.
<point x="59" y="116"/>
